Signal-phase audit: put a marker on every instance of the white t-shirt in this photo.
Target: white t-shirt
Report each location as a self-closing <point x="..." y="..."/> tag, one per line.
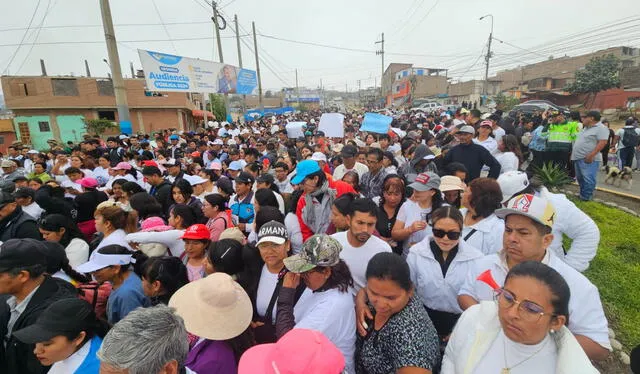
<point x="537" y="358"/>
<point x="409" y="213"/>
<point x="267" y="285"/>
<point x="332" y="313"/>
<point x="357" y="258"/>
<point x="341" y="170"/>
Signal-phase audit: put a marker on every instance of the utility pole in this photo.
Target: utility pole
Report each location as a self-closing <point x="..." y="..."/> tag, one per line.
<point x="297" y="90"/>
<point x="244" y="97"/>
<point x="487" y="57"/>
<point x="116" y="73"/>
<point x="359" y="96"/>
<point x="381" y="53"/>
<point x="255" y="48"/>
<point x="219" y="40"/>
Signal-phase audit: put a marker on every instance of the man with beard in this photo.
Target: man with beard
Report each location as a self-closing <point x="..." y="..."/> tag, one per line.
<point x="358" y="243"/>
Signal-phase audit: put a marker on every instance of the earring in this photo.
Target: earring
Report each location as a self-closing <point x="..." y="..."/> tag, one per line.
<point x="552" y="331"/>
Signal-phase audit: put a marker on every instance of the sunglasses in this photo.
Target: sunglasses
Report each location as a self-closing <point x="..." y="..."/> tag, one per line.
<point x="452" y="235"/>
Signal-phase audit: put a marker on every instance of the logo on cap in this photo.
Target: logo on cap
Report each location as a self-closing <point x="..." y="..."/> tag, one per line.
<point x="423" y="178"/>
<point x="273" y="230"/>
<point x="523" y="203"/>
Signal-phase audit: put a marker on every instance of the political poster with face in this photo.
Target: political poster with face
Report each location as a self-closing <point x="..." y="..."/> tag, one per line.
<point x="170" y="73"/>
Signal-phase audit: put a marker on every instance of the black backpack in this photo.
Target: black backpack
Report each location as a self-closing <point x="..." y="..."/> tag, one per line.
<point x="630" y="137"/>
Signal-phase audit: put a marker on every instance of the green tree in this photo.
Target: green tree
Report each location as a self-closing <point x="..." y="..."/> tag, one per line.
<point x="216" y="106"/>
<point x="506" y="103"/>
<point x="98" y="126"/>
<point x="600" y="74"/>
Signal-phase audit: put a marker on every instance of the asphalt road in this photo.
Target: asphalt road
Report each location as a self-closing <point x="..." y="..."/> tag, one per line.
<point x="623" y="187"/>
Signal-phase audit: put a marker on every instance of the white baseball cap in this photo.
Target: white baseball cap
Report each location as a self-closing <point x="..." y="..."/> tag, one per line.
<point x="99" y="261"/>
<point x="194" y="179"/>
<point x="319" y="156"/>
<point x="218" y="142"/>
<point x="534" y="207"/>
<point x="512" y="183"/>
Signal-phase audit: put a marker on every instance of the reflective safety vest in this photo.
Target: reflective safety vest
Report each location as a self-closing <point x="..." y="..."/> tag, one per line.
<point x="561" y="136"/>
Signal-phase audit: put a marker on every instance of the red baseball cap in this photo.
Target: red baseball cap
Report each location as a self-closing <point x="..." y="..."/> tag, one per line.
<point x="298" y="351"/>
<point x="197" y="232"/>
<point x="149" y="163"/>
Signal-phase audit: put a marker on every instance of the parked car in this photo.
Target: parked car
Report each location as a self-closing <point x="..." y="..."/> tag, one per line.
<point x="427" y="107"/>
<point x="533" y="106"/>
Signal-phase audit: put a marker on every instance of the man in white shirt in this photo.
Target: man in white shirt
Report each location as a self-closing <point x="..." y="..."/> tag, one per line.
<point x="282" y="179"/>
<point x="348" y="154"/>
<point x="358" y="243"/>
<point x="527" y="235"/>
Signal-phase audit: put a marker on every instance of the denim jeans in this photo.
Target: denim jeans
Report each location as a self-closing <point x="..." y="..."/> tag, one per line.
<point x="586" y="175"/>
<point x="626" y="156"/>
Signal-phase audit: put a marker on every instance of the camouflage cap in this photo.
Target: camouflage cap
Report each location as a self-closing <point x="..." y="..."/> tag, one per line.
<point x="318" y="250"/>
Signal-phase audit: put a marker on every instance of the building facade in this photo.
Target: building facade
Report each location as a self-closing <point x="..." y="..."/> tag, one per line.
<point x="56" y="107"/>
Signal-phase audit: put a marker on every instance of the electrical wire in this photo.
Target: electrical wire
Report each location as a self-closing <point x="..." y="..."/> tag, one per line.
<point x="421" y="20"/>
<point x="24" y="36"/>
<point x="44" y="17"/>
<point x="155" y="6"/>
<point x="124" y="41"/>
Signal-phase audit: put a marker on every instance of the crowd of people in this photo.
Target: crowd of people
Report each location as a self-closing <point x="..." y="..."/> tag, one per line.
<point x="237" y="249"/>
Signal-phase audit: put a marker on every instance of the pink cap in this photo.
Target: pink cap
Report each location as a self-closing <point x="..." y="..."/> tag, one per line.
<point x="88" y="182"/>
<point x="154" y="224"/>
<point x="122" y="166"/>
<point x="298" y="351"/>
<point x="215" y="166"/>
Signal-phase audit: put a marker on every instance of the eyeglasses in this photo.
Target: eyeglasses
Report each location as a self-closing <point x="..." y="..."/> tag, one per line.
<point x="527" y="310"/>
<point x="453" y="235"/>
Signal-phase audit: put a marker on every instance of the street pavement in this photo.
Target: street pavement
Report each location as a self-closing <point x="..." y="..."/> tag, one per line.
<point x="623" y="189"/>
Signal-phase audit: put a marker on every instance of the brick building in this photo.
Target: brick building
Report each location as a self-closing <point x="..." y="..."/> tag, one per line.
<point x="408" y="83"/>
<point x="56" y="107"/>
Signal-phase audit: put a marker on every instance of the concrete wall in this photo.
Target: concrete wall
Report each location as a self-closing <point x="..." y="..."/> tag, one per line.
<point x="389" y="77"/>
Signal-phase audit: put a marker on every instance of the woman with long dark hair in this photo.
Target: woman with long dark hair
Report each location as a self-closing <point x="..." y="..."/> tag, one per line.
<point x="393" y="196"/>
<point x="61" y="229"/>
<point x="215" y="209"/>
<point x="162" y="277"/>
<point x="182" y="193"/>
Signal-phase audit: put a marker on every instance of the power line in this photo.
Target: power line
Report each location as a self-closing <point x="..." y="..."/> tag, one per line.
<point x="44" y="17"/>
<point x="422" y="19"/>
<point x="155" y="6"/>
<point x="124" y="41"/>
<point x="24" y="36"/>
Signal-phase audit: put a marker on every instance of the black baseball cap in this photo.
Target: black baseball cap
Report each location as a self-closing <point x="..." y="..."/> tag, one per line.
<point x="301" y="139"/>
<point x="68" y="315"/>
<point x="20" y="253"/>
<point x="245" y="177"/>
<point x="225" y="185"/>
<point x="6" y="198"/>
<point x="349" y="151"/>
<point x="320" y="133"/>
<point x="265" y="178"/>
<point x="24" y="192"/>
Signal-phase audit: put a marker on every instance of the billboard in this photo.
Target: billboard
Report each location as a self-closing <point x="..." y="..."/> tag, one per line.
<point x="165" y="72"/>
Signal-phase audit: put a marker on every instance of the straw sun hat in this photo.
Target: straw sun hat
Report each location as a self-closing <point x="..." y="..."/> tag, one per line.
<point x="215" y="307"/>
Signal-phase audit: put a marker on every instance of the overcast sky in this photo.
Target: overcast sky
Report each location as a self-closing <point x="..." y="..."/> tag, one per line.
<point x="428" y="33"/>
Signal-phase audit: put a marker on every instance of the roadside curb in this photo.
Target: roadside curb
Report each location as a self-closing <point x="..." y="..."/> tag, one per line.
<point x="608" y="203"/>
